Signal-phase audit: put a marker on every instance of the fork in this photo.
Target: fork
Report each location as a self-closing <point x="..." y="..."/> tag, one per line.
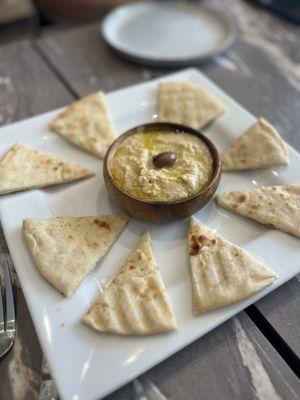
<point x="7" y="311"/>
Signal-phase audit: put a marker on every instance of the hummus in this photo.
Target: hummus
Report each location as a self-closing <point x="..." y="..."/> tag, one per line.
<point x="133" y="170"/>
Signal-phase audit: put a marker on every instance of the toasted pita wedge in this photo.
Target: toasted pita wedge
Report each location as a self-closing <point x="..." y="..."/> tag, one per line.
<point x="66" y="249"/>
<point x="275" y="206"/>
<point x="260" y="146"/>
<point x="24" y="168"/>
<point x="187" y="104"/>
<point x="136" y="301"/>
<point x="222" y="273"/>
<point x="87" y="124"/>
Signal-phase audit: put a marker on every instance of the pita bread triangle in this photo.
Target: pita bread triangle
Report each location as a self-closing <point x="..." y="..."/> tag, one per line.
<point x="136" y="301"/>
<point x="275" y="206"/>
<point x="66" y="249"/>
<point x="222" y="273"/>
<point x="24" y="168"/>
<point x="260" y="146"/>
<point x="87" y="124"/>
<point x="187" y="104"/>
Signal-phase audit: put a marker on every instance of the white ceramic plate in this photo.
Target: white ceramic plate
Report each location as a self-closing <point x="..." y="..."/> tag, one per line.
<point x="167" y="33"/>
<point x="88" y="365"/>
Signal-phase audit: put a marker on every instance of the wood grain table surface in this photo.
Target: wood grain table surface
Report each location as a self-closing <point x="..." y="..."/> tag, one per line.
<point x="255" y="355"/>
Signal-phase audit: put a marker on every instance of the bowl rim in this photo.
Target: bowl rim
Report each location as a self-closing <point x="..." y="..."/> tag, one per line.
<point x="165" y="126"/>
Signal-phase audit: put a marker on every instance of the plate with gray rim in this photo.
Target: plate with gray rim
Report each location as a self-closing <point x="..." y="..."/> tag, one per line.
<point x="168" y="34"/>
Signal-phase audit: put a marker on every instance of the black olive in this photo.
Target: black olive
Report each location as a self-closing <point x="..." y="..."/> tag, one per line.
<point x="165" y="159"/>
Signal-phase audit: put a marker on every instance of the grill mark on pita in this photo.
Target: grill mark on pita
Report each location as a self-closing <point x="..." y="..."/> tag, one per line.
<point x="156" y="305"/>
<point x="156" y="312"/>
<point x="131" y="309"/>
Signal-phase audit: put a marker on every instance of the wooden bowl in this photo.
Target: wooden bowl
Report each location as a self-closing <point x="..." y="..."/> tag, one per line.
<point x="161" y="211"/>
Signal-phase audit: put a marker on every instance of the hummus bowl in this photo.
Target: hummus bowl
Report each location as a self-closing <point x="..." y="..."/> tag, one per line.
<point x="161" y="171"/>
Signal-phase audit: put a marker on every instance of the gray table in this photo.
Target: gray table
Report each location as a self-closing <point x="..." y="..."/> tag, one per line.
<point x="254" y="355"/>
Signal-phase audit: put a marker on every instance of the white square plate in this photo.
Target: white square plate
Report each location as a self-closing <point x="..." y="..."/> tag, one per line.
<point x="88" y="365"/>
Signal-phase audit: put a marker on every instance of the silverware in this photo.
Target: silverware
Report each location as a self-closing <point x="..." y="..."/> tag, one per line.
<point x="7" y="311"/>
<point x="145" y="389"/>
<point x="48" y="389"/>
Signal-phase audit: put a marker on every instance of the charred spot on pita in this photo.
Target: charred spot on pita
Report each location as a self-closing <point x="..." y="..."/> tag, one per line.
<point x="197" y="242"/>
<point x="194" y="249"/>
<point x="102" y="224"/>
